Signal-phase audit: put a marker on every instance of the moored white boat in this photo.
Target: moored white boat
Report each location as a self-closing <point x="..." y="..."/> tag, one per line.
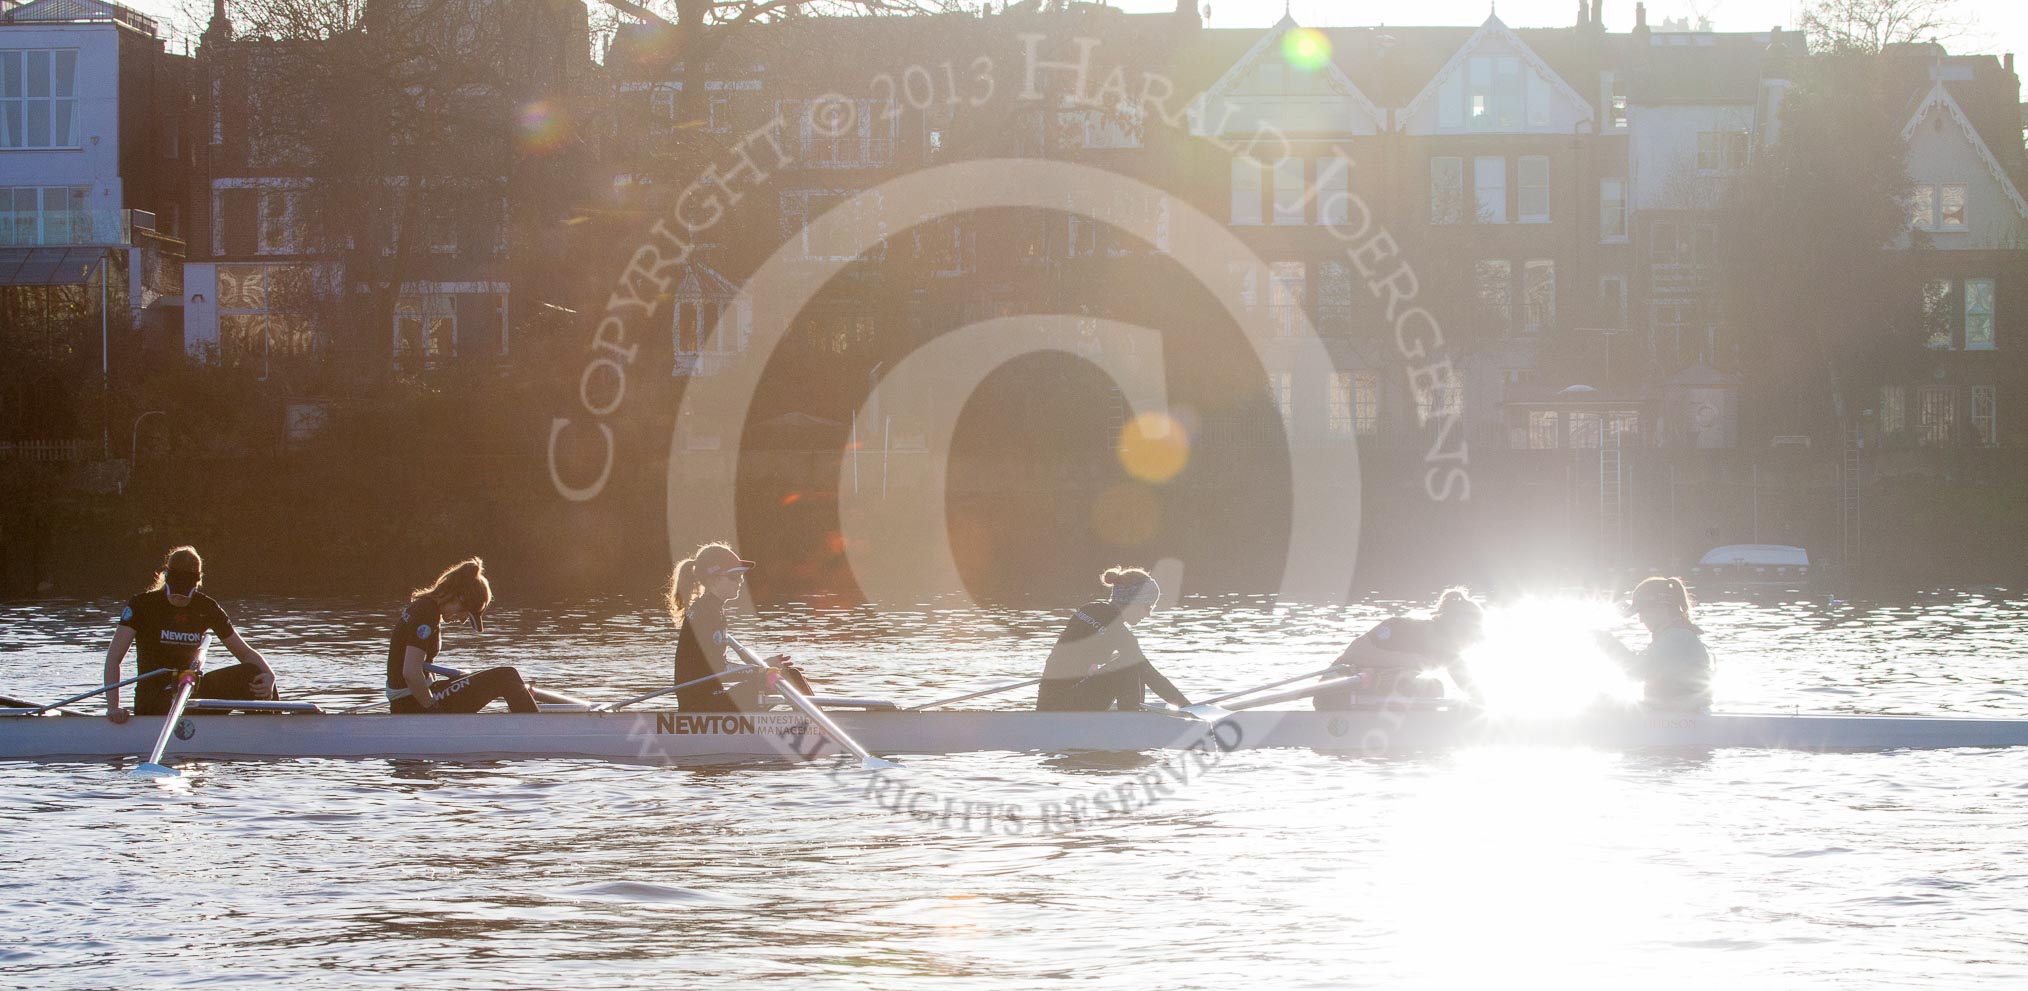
<point x="665" y="737"/>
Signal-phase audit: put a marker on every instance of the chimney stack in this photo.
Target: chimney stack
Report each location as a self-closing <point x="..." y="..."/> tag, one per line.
<point x="2007" y="62"/>
<point x="1581" y="9"/>
<point x="1640" y="16"/>
<point x="1598" y="13"/>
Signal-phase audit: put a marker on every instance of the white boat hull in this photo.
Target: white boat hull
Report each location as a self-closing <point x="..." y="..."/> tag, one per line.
<point x="669" y="737"/>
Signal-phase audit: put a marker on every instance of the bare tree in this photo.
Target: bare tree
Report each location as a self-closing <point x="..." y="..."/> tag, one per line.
<point x="1867" y="26"/>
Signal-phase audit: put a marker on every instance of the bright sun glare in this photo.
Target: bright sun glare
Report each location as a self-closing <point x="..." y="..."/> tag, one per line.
<point x="1538" y="658"/>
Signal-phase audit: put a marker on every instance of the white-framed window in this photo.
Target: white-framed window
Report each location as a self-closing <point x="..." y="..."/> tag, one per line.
<point x="1246" y="183"/>
<point x="264" y="315"/>
<point x="1892" y="416"/>
<point x="31" y="215"/>
<point x="1533" y="172"/>
<point x="1340" y="420"/>
<point x="425" y="329"/>
<point x="1951" y="206"/>
<point x="718" y="110"/>
<point x="1937" y="314"/>
<point x="1985" y="415"/>
<point x="1446" y="190"/>
<point x="281" y="222"/>
<point x="218" y="111"/>
<point x="1612" y="211"/>
<point x="1495" y="277"/>
<point x="1333" y="306"/>
<point x="1334" y="201"/>
<point x="1721" y="152"/>
<point x="1288" y="292"/>
<point x="1538" y="287"/>
<point x="433" y="326"/>
<point x="1366" y="403"/>
<point x="1489" y="180"/>
<point x="38" y="98"/>
<point x="1545" y="430"/>
<point x="1612" y="88"/>
<point x="1586" y="429"/>
<point x="1282" y="388"/>
<point x="852" y="135"/>
<point x="1288" y="190"/>
<point x="1498" y="94"/>
<point x="1441" y="399"/>
<point x="1978" y="314"/>
<point x="1936" y="415"/>
<point x="1922" y="207"/>
<point x="1934" y="206"/>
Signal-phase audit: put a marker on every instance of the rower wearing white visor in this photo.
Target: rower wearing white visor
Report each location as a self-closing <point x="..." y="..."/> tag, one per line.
<point x="1097" y="663"/>
<point x="172" y="623"/>
<point x="699" y="590"/>
<point x="460" y="594"/>
<point x="1675" y="667"/>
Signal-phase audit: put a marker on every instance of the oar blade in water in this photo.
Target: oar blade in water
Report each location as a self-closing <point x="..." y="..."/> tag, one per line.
<point x="150" y="769"/>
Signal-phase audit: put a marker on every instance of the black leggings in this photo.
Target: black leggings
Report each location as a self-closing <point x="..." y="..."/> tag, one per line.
<point x="235" y="683"/>
<point x="473" y="692"/>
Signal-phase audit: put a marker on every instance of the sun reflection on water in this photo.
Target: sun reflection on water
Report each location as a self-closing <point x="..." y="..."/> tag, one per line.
<point x="1538" y="658"/>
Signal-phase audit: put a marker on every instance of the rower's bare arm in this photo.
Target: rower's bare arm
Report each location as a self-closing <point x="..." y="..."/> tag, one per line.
<point x="123" y="637"/>
<point x="245" y="654"/>
<point x="416" y="678"/>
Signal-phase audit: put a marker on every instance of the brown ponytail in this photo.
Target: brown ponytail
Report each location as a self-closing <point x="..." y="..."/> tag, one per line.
<point x="464" y="581"/>
<point x="686" y="582"/>
<point x="1668" y="593"/>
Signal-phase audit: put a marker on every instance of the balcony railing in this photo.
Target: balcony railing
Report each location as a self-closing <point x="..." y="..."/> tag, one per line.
<point x="71" y="228"/>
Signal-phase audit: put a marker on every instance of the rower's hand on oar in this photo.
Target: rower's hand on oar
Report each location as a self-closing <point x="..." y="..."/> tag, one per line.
<point x="116" y="715"/>
<point x="262" y="686"/>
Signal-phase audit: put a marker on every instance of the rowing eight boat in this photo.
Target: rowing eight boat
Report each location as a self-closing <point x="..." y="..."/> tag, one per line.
<point x="664" y="737"/>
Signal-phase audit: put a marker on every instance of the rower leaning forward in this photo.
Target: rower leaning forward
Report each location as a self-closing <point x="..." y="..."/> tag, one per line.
<point x="460" y="594"/>
<point x="172" y="623"/>
<point x="1097" y="662"/>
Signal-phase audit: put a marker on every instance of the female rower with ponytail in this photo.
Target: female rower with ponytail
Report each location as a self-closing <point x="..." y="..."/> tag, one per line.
<point x="699" y="589"/>
<point x="460" y="593"/>
<point x="172" y="623"/>
<point x="1097" y="663"/>
<point x="1675" y="667"/>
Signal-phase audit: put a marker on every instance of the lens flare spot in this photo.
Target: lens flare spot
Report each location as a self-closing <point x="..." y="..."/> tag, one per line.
<point x="1126" y="515"/>
<point x="1306" y="48"/>
<point x="1154" y="447"/>
<point x="541" y="127"/>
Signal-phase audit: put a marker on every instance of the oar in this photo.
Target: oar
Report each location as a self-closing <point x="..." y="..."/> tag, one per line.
<point x="975" y="695"/>
<point x="802" y="703"/>
<point x="1306" y="691"/>
<point x="658" y="693"/>
<point x="186" y="682"/>
<point x="550" y="698"/>
<point x="102" y="689"/>
<point x="1228" y="696"/>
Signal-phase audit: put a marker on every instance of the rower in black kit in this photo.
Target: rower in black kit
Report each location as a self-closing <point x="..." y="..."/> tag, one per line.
<point x="460" y="594"/>
<point x="1097" y="662"/>
<point x="170" y="625"/>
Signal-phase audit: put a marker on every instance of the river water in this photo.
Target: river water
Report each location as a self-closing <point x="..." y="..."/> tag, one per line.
<point x="1281" y="869"/>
